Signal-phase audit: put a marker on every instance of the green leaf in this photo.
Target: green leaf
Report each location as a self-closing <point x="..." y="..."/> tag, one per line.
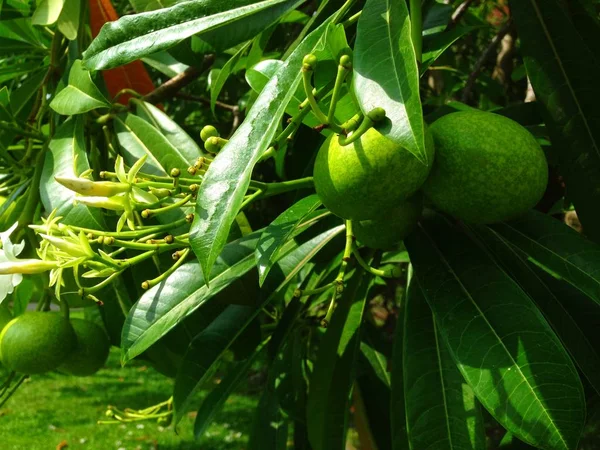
<point x="441" y="409"/>
<point x="397" y="397"/>
<point x="585" y="355"/>
<point x="80" y="96"/>
<point x="68" y="21"/>
<point x="22" y="97"/>
<point x="47" y="12"/>
<point x="333" y="376"/>
<point x="280" y="231"/>
<point x="203" y="353"/>
<point x="165" y="63"/>
<point x="68" y="158"/>
<point x="224" y="73"/>
<point x="5" y="109"/>
<point x="499" y="340"/>
<point x="187" y="147"/>
<point x="434" y="45"/>
<point x="557" y="247"/>
<point x="215" y="400"/>
<point x="136" y="36"/>
<point x="165" y="305"/>
<point x="386" y="73"/>
<point x="270" y="427"/>
<point x="222" y="191"/>
<point x="137" y="138"/>
<point x="564" y="71"/>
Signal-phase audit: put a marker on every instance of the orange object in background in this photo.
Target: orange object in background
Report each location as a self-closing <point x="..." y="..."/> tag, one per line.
<point x="130" y="76"/>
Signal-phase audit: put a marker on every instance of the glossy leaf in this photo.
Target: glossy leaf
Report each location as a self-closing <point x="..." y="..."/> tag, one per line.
<point x="555" y="309"/>
<point x="386" y="73"/>
<point x="47" y="12"/>
<point x="441" y="409"/>
<point x="137" y="138"/>
<point x="226" y="181"/>
<point x="333" y="376"/>
<point x="563" y="71"/>
<point x="67" y="158"/>
<point x="501" y="343"/>
<point x="133" y="37"/>
<point x="434" y="45"/>
<point x="215" y="400"/>
<point x="269" y="426"/>
<point x="80" y="96"/>
<point x="179" y="139"/>
<point x="280" y="231"/>
<point x="397" y="396"/>
<point x="204" y="352"/>
<point x="224" y="74"/>
<point x="68" y="21"/>
<point x="558" y="247"/>
<point x="162" y="307"/>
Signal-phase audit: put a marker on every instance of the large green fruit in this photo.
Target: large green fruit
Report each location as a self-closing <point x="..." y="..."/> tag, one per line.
<point x="91" y="351"/>
<point x="361" y="180"/>
<point x="392" y="226"/>
<point x="5" y="316"/>
<point x="487" y="168"/>
<point x="36" y="342"/>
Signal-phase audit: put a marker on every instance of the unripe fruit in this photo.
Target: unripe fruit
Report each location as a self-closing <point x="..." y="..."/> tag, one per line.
<point x="91" y="351"/>
<point x="488" y="168"/>
<point x="391" y="227"/>
<point x="207" y="132"/>
<point x="5" y="316"/>
<point x="362" y="180"/>
<point x="36" y="342"/>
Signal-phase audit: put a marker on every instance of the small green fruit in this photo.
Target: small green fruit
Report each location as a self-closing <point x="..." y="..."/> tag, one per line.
<point x="361" y="180"/>
<point x="488" y="168"/>
<point x="91" y="351"/>
<point x="5" y="316"/>
<point x="36" y="342"/>
<point x="390" y="228"/>
<point x="207" y="132"/>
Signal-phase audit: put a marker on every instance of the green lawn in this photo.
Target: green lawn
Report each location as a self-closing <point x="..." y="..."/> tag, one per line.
<point x="49" y="409"/>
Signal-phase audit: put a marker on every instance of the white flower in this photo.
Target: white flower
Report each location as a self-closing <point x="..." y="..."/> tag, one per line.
<point x="8" y="253"/>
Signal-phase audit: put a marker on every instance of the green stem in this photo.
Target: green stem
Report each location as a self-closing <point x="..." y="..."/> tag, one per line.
<point x="15" y="128"/>
<point x="351" y="20"/>
<point x="310" y="96"/>
<point x="271" y="189"/>
<point x="394" y="272"/>
<point x="33" y="198"/>
<point x="249" y="199"/>
<point x="369" y="120"/>
<point x="103" y="283"/>
<point x="342" y="72"/>
<point x="416" y="22"/>
<point x="152" y="212"/>
<point x="150" y="283"/>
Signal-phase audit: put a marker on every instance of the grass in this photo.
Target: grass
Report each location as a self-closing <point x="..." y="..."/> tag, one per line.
<point x="51" y="409"/>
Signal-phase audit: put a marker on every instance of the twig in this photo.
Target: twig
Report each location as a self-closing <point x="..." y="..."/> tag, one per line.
<point x="237" y="119"/>
<point x="458" y="13"/>
<point x="170" y="87"/>
<point x="485" y="56"/>
<point x="205" y="101"/>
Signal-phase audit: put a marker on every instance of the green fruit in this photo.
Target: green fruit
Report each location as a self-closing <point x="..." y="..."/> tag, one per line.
<point x="36" y="342"/>
<point x="91" y="351"/>
<point x="373" y="174"/>
<point x="390" y="228"/>
<point x="488" y="168"/>
<point x="5" y="316"/>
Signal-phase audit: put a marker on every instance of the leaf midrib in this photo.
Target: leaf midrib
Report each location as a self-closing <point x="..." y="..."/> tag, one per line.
<point x="563" y="72"/>
<point x="518" y="368"/>
<point x="179" y="305"/>
<point x="441" y="373"/>
<point x="566" y="261"/>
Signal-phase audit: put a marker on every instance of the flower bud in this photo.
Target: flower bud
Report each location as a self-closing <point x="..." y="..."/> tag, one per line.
<point x="27" y="266"/>
<point x="88" y="187"/>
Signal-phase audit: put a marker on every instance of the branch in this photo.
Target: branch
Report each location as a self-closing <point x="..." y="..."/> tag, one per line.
<point x="205" y="101"/>
<point x="485" y="56"/>
<point x="170" y="87"/>
<point x="458" y="13"/>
